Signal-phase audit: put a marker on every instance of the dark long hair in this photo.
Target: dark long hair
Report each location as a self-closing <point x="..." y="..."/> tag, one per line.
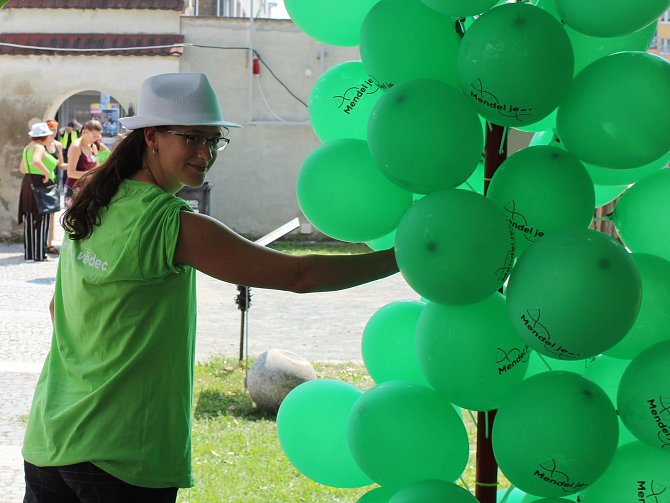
<point x="99" y="185"/>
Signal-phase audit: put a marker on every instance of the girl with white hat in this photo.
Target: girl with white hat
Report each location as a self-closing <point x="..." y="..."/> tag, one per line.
<point x="38" y="169"/>
<point x="111" y="413"/>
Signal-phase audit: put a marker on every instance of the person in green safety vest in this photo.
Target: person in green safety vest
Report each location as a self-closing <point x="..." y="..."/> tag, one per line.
<point x="68" y="135"/>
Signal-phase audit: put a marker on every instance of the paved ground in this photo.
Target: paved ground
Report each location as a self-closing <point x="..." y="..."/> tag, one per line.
<point x="320" y="327"/>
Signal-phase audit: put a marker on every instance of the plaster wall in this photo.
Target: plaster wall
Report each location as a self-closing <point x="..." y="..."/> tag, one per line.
<point x="88" y="21"/>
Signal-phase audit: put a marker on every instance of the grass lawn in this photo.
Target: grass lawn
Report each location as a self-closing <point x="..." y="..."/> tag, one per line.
<point x="236" y="453"/>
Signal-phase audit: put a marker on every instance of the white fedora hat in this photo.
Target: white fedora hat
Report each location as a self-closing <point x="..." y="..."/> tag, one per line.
<point x="39" y="130"/>
<point x="177" y="99"/>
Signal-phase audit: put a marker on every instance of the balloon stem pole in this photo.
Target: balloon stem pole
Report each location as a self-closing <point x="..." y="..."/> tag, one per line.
<point x="486" y="471"/>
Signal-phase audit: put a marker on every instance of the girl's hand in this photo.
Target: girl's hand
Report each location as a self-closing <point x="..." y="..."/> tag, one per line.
<point x="45" y="179"/>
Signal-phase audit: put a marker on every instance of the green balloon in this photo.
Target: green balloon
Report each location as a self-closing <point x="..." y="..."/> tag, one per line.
<point x="312" y="429"/>
<point x="382" y="243"/>
<point x="637" y="473"/>
<point x="644" y="396"/>
<point x="589" y="48"/>
<point x="471" y="354"/>
<point x="510" y="495"/>
<point x="343" y="193"/>
<point x="651" y="325"/>
<point x="555" y="434"/>
<point x="548" y="137"/>
<point x="341" y="101"/>
<point x="388" y="343"/>
<point x="606" y="372"/>
<point x="538" y="363"/>
<point x="337" y="23"/>
<point x="612" y="116"/>
<point x="606" y="176"/>
<point x="529" y="497"/>
<point x="609" y="18"/>
<point x="548" y="122"/>
<point x="561" y="281"/>
<point x="475" y="181"/>
<point x="542" y="189"/>
<point x="391" y="58"/>
<point x="431" y="491"/>
<point x="503" y="65"/>
<point x="460" y="8"/>
<point x="454" y="247"/>
<point x="441" y="144"/>
<point x="377" y="495"/>
<point x="401" y="432"/>
<point x="605" y="194"/>
<point x="639" y="215"/>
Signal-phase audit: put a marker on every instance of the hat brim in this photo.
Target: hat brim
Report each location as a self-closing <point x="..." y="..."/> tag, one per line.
<point x="39" y="135"/>
<point x="138" y="122"/>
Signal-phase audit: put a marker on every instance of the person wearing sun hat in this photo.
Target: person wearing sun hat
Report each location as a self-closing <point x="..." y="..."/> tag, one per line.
<point x="38" y="167"/>
<point x="111" y="413"/>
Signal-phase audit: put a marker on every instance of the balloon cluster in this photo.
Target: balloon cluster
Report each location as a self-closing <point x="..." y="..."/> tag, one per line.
<point x="524" y="309"/>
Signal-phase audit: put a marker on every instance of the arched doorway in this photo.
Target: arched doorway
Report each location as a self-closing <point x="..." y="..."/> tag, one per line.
<point x="88" y="105"/>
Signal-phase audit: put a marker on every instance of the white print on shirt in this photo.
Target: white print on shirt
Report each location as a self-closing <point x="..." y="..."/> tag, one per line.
<point x="91" y="260"/>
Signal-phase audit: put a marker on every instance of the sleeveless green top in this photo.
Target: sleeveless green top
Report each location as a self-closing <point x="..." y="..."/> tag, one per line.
<point x="48" y="160"/>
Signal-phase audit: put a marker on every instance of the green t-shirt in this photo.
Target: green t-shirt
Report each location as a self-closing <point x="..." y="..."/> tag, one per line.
<point x="48" y="160"/>
<point x="117" y="385"/>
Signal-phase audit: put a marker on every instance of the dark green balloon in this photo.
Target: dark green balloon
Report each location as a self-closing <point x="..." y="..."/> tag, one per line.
<point x="640" y="215"/>
<point x="391" y="56"/>
<point x="613" y="116"/>
<point x="555" y="434"/>
<point x="561" y="281"/>
<point x="439" y="144"/>
<point x="454" y="247"/>
<point x="609" y="18"/>
<point x="637" y="472"/>
<point x="542" y="189"/>
<point x="606" y="176"/>
<point x="504" y="67"/>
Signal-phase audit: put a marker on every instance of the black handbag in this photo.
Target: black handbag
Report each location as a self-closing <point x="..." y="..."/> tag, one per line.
<point x="47" y="197"/>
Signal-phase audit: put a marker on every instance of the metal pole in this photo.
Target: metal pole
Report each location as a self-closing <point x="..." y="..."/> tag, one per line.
<point x="486" y="471"/>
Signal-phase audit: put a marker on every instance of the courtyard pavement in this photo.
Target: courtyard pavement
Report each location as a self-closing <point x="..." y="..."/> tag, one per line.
<point x="318" y="326"/>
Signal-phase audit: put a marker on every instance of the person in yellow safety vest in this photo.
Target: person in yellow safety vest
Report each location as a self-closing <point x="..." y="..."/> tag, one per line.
<point x="69" y="134"/>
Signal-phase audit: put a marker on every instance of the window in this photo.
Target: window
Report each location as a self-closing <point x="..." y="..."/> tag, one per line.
<point x="665" y="18"/>
<point x="665" y="46"/>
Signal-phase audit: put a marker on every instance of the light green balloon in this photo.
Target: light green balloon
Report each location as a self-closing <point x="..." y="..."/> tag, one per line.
<point x="460" y="8"/>
<point x="471" y="354"/>
<point x="338" y="23"/>
<point x="637" y="473"/>
<point x="544" y="124"/>
<point x="439" y="145"/>
<point x="530" y="498"/>
<point x="475" y="181"/>
<point x="510" y="495"/>
<point x="312" y="430"/>
<point x="605" y="194"/>
<point x="644" y="396"/>
<point x="612" y="116"/>
<point x="388" y="343"/>
<point x="432" y="491"/>
<point x="609" y="18"/>
<point x="639" y="215"/>
<point x="653" y="322"/>
<point x="555" y="434"/>
<point x="454" y="247"/>
<point x="391" y="58"/>
<point x="606" y="176"/>
<point x="542" y="189"/>
<point x="341" y="101"/>
<point x="401" y="432"/>
<point x="503" y="65"/>
<point x="561" y="281"/>
<point x="606" y="372"/>
<point x="548" y="137"/>
<point x="343" y="193"/>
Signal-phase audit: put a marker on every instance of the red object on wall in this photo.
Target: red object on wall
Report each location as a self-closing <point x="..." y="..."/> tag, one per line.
<point x="256" y="68"/>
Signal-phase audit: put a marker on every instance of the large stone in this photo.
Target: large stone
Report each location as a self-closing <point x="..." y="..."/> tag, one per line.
<point x="274" y="374"/>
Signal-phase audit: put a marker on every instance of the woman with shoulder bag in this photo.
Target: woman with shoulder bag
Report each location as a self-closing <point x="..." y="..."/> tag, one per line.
<point x="39" y="170"/>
